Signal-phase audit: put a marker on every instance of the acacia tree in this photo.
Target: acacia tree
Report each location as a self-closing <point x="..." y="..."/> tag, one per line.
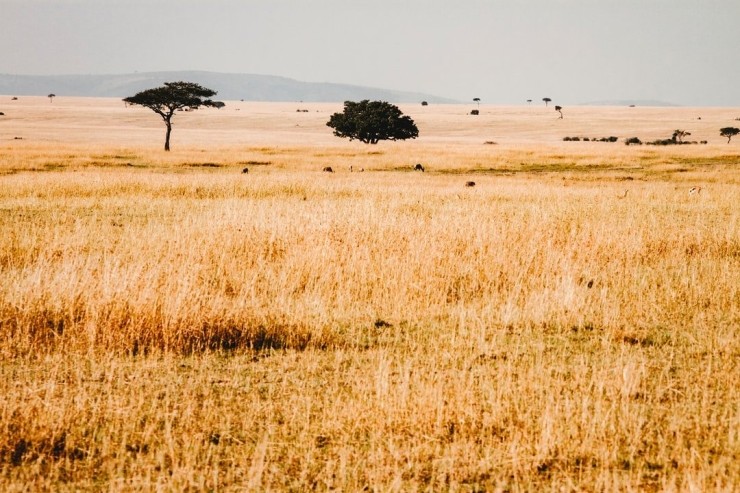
<point x="546" y="100"/>
<point x="559" y="109"/>
<point x="729" y="132"/>
<point x="477" y="100"/>
<point x="170" y="97"/>
<point x="372" y="121"/>
<point x="679" y="135"/>
<point x="51" y="97"/>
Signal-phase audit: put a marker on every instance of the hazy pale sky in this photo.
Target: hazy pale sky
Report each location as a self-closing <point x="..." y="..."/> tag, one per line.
<point x="502" y="51"/>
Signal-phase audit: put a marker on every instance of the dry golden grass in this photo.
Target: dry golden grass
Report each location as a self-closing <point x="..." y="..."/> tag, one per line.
<point x="169" y="323"/>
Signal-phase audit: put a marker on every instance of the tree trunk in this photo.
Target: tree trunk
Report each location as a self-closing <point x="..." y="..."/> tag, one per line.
<point x="167" y="137"/>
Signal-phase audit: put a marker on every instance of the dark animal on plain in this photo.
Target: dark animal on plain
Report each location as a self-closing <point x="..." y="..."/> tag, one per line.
<point x="245" y="170"/>
<point x="327" y="169"/>
<point x="418" y="167"/>
<point x="469" y="183"/>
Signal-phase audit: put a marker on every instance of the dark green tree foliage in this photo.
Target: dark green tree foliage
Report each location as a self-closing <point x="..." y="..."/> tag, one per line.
<point x="729" y="132"/>
<point x="372" y="121"/>
<point x="169" y="98"/>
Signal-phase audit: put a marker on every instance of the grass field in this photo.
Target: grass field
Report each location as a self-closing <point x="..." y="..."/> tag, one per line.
<point x="167" y="322"/>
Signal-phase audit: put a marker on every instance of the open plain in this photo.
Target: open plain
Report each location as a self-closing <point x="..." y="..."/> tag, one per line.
<point x="170" y="323"/>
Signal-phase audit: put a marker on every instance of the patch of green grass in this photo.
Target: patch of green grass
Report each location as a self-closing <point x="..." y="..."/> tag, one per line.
<point x="706" y="161"/>
<point x="203" y="165"/>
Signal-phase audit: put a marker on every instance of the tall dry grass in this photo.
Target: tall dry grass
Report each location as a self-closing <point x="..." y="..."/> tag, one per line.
<point x="171" y="323"/>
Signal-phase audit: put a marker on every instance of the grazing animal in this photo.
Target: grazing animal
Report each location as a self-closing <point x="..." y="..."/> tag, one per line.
<point x="694" y="190"/>
<point x="623" y="194"/>
<point x="351" y="169"/>
<point x="245" y="170"/>
<point x="469" y="183"/>
<point x="327" y="169"/>
<point x="419" y="167"/>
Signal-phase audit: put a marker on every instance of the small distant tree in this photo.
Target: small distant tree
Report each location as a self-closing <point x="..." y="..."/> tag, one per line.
<point x="559" y="109"/>
<point x="171" y="97"/>
<point x="678" y="135"/>
<point x="424" y="103"/>
<point x="51" y="97"/>
<point x="546" y="100"/>
<point x="214" y="104"/>
<point x="729" y="132"/>
<point x="477" y="100"/>
<point x="372" y="121"/>
<point x="529" y="101"/>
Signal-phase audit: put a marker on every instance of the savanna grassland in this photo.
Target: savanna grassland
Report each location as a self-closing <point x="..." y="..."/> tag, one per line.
<point x="169" y="323"/>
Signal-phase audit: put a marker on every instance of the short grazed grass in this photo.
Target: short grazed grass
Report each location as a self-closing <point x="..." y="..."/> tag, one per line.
<point x="170" y="323"/>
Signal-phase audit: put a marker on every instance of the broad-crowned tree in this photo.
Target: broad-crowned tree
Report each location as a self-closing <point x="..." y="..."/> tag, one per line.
<point x="372" y="121"/>
<point x="729" y="132"/>
<point x="170" y="97"/>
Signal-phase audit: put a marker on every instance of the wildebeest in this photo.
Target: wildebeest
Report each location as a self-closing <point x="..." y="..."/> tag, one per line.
<point x="469" y="183"/>
<point x="245" y="170"/>
<point x="418" y="167"/>
<point x="328" y="169"/>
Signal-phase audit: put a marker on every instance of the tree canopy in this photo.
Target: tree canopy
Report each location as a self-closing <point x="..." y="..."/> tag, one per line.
<point x="680" y="134"/>
<point x="372" y="121"/>
<point x="729" y="132"/>
<point x="169" y="98"/>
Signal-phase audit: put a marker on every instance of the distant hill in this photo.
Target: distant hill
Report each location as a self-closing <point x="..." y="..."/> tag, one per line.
<point x="628" y="102"/>
<point x="249" y="87"/>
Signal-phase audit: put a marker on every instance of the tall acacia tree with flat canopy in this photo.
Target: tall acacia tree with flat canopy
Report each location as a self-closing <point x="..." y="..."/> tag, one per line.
<point x="170" y="97"/>
<point x="729" y="132"/>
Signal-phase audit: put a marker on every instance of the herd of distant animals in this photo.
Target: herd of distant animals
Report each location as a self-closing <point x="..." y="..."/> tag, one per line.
<point x="329" y="169"/>
<point x="420" y="167"/>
